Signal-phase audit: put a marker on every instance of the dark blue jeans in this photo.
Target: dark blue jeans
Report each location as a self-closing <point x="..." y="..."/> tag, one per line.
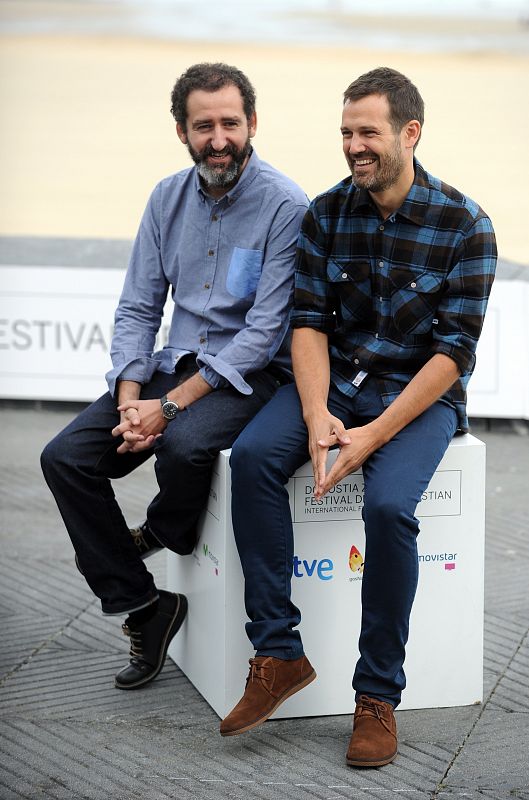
<point x="80" y="462"/>
<point x="267" y="453"/>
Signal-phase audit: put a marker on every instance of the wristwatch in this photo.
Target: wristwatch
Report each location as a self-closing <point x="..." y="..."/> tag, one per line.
<point x="169" y="408"/>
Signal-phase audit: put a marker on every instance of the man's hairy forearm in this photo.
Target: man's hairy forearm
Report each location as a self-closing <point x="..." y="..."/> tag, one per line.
<point x="310" y="360"/>
<point x="190" y="390"/>
<point x="128" y="390"/>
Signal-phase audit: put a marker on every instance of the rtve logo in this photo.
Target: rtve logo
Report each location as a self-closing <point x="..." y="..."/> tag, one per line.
<point x="322" y="569"/>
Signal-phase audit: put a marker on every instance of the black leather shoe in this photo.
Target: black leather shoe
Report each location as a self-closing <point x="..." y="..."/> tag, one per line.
<point x="144" y="540"/>
<point x="149" y="641"/>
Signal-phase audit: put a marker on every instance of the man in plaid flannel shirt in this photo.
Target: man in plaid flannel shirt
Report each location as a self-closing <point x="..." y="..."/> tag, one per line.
<point x="394" y="269"/>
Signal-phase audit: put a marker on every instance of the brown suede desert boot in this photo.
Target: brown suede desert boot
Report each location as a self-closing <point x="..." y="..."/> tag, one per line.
<point x="374" y="739"/>
<point x="269" y="683"/>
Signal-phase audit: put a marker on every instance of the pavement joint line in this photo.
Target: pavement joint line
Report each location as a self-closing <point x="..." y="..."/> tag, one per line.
<point x="484" y="706"/>
<point x="43" y="644"/>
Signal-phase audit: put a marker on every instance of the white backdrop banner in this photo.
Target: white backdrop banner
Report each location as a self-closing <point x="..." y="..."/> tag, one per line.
<point x="55" y="331"/>
<point x="56" y="328"/>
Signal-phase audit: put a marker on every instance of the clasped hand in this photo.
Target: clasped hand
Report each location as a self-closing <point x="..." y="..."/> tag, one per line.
<point x="141" y="423"/>
<point x="356" y="445"/>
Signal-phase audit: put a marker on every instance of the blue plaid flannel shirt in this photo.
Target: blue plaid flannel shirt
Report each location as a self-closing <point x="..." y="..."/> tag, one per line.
<point x="391" y="293"/>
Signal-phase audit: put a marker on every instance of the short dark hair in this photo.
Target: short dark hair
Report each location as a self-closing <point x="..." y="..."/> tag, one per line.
<point x="405" y="102"/>
<point x="210" y="78"/>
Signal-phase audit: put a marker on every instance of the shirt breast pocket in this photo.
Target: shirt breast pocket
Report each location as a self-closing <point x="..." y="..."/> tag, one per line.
<point x="351" y="281"/>
<point x="244" y="272"/>
<point x="414" y="299"/>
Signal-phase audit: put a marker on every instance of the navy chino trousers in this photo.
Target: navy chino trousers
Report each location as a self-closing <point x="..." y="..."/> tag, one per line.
<point x="80" y="462"/>
<point x="267" y="453"/>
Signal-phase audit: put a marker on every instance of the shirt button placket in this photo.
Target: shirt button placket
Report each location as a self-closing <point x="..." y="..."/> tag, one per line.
<point x="380" y="239"/>
<point x="211" y="264"/>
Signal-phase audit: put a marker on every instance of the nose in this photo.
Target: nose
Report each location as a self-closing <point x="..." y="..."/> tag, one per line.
<point x="356" y="145"/>
<point x="218" y="140"/>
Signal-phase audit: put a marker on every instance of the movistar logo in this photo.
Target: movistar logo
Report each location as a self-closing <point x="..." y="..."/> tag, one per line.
<point x="447" y="559"/>
<point x="209" y="554"/>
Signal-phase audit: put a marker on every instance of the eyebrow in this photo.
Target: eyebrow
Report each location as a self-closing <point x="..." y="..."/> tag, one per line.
<point x="361" y="129"/>
<point x="205" y="120"/>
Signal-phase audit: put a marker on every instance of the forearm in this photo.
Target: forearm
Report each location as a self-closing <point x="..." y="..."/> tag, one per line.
<point x="428" y="385"/>
<point x="128" y="390"/>
<point x="310" y="360"/>
<point x="189" y="391"/>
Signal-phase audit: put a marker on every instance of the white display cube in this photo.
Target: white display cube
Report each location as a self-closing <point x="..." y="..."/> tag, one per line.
<point x="444" y="664"/>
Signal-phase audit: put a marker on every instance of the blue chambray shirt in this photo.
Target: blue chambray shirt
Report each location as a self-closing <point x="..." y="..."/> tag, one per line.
<point x="229" y="266"/>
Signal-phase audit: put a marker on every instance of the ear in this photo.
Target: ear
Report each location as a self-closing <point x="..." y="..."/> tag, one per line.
<point x="412" y="132"/>
<point x="252" y="125"/>
<point x="181" y="133"/>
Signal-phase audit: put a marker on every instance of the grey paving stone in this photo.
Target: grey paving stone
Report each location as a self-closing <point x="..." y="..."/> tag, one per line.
<point x="495" y="755"/>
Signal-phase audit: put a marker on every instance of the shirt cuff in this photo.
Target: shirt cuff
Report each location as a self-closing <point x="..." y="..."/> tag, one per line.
<point x="139" y="370"/>
<point x="219" y="374"/>
<point x="464" y="359"/>
<point x="213" y="378"/>
<point x="312" y="319"/>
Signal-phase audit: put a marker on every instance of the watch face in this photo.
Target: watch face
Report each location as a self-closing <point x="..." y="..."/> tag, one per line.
<point x="170" y="409"/>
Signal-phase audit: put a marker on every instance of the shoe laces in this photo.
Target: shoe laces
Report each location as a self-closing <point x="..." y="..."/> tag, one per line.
<point x="139" y="538"/>
<point x="368" y="706"/>
<point x="136" y="649"/>
<point x="259" y="670"/>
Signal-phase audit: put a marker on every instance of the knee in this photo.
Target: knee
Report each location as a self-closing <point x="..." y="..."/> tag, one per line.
<point x="390" y="525"/>
<point x="54" y="456"/>
<point x="384" y="514"/>
<point x="251" y="456"/>
<point x="240" y="453"/>
<point x="176" y="450"/>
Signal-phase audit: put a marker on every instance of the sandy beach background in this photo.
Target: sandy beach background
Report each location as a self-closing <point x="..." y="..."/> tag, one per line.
<point x="86" y="130"/>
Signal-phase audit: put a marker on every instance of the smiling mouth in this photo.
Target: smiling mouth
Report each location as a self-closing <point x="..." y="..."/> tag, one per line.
<point x="219" y="162"/>
<point x="363" y="162"/>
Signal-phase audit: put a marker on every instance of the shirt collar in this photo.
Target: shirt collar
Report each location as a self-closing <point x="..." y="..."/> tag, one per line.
<point x="249" y="173"/>
<point x="415" y="204"/>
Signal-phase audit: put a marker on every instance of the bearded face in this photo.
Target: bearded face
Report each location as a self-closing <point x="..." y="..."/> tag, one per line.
<point x="230" y="161"/>
<point x="377" y="172"/>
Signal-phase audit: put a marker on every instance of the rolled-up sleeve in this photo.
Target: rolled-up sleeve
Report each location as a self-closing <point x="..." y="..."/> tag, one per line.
<point x="313" y="303"/>
<point x="462" y="308"/>
<point x="139" y="313"/>
<point x="267" y="321"/>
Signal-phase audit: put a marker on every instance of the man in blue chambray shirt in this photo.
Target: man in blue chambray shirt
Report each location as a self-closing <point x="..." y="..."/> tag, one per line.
<point x="393" y="274"/>
<point x="220" y="236"/>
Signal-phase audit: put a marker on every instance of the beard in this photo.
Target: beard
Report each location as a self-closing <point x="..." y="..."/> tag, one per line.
<point x="220" y="176"/>
<point x="388" y="172"/>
